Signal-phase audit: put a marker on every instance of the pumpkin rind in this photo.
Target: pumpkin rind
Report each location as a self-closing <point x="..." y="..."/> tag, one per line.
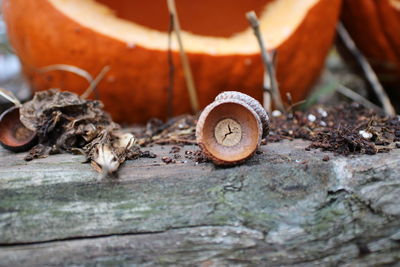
<point x="375" y="28"/>
<point x="135" y="89"/>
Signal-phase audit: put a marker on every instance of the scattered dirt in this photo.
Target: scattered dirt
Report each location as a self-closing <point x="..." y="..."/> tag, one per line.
<point x="168" y="160"/>
<point x="66" y="122"/>
<point x="346" y="129"/>
<point x="175" y="149"/>
<point x="196" y="156"/>
<point x="178" y="130"/>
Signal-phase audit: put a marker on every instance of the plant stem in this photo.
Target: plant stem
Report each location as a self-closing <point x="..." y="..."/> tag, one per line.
<point x="367" y="69"/>
<point x="95" y="82"/>
<point x="185" y="61"/>
<point x="356" y="97"/>
<point x="10" y="96"/>
<point x="171" y="68"/>
<point x="68" y="68"/>
<point x="267" y="60"/>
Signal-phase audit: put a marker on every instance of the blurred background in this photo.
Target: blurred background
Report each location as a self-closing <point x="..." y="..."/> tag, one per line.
<point x="10" y="75"/>
<point x="325" y="91"/>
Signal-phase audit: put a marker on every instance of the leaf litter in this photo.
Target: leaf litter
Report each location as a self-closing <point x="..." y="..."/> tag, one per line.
<point x="66" y="122"/>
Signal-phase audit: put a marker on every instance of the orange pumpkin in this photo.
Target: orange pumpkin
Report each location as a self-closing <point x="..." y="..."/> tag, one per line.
<point x="131" y="37"/>
<point x="375" y="27"/>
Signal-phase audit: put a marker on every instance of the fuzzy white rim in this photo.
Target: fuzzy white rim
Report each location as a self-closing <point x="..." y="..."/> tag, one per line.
<point x="278" y="21"/>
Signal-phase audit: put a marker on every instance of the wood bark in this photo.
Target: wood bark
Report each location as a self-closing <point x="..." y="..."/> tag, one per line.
<point x="285" y="206"/>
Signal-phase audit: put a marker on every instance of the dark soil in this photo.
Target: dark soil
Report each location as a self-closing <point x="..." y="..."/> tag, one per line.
<point x="345" y="129"/>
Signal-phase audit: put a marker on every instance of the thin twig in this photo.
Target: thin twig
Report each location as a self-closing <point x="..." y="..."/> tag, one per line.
<point x="292" y="106"/>
<point x="185" y="61"/>
<point x="267" y="92"/>
<point x="10" y="96"/>
<point x="267" y="83"/>
<point x="95" y="82"/>
<point x="80" y="72"/>
<point x="69" y="68"/>
<point x="267" y="60"/>
<point x="367" y="69"/>
<point x="171" y="68"/>
<point x="357" y="98"/>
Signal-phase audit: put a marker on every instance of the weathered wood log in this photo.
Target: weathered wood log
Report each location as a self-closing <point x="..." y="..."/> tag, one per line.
<point x="285" y="206"/>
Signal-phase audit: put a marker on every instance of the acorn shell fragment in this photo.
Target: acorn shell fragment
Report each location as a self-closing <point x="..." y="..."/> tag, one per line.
<point x="14" y="136"/>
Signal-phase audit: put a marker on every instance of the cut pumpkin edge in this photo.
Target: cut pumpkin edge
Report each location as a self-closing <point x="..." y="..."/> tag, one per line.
<point x="274" y="24"/>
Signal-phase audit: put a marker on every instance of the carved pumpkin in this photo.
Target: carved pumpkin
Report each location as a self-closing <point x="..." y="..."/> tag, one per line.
<point x="131" y="37"/>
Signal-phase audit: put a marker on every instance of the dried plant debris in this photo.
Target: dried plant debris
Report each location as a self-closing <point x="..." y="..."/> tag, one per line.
<point x="178" y="130"/>
<point x="345" y="129"/>
<point x="65" y="122"/>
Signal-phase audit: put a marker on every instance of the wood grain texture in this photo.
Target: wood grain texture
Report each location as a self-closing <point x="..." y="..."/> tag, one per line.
<point x="283" y="207"/>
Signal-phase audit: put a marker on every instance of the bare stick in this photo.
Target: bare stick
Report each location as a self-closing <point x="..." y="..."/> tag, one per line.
<point x="267" y="92"/>
<point x="267" y="83"/>
<point x="267" y="60"/>
<point x="171" y="74"/>
<point x="69" y="68"/>
<point x="185" y="61"/>
<point x="95" y="82"/>
<point x="9" y="96"/>
<point x="357" y="97"/>
<point x="367" y="69"/>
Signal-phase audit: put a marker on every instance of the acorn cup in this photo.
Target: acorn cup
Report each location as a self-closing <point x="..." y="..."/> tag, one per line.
<point x="14" y="136"/>
<point x="230" y="129"/>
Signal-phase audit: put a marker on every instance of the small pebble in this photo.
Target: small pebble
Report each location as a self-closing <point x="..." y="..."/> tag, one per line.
<point x="322" y="112"/>
<point x="167" y="160"/>
<point x="148" y="154"/>
<point x="276" y="113"/>
<point x="365" y="134"/>
<point x="175" y="149"/>
<point x="311" y="117"/>
<point x="326" y="158"/>
<point x="322" y="123"/>
<point x="398" y="145"/>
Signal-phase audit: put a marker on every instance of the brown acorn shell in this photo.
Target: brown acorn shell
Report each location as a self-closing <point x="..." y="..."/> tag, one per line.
<point x="14" y="136"/>
<point x="258" y="108"/>
<point x="244" y="115"/>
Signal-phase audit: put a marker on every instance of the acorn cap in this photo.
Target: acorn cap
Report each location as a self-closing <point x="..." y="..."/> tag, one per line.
<point x="229" y="131"/>
<point x="14" y="136"/>
<point x="258" y="108"/>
